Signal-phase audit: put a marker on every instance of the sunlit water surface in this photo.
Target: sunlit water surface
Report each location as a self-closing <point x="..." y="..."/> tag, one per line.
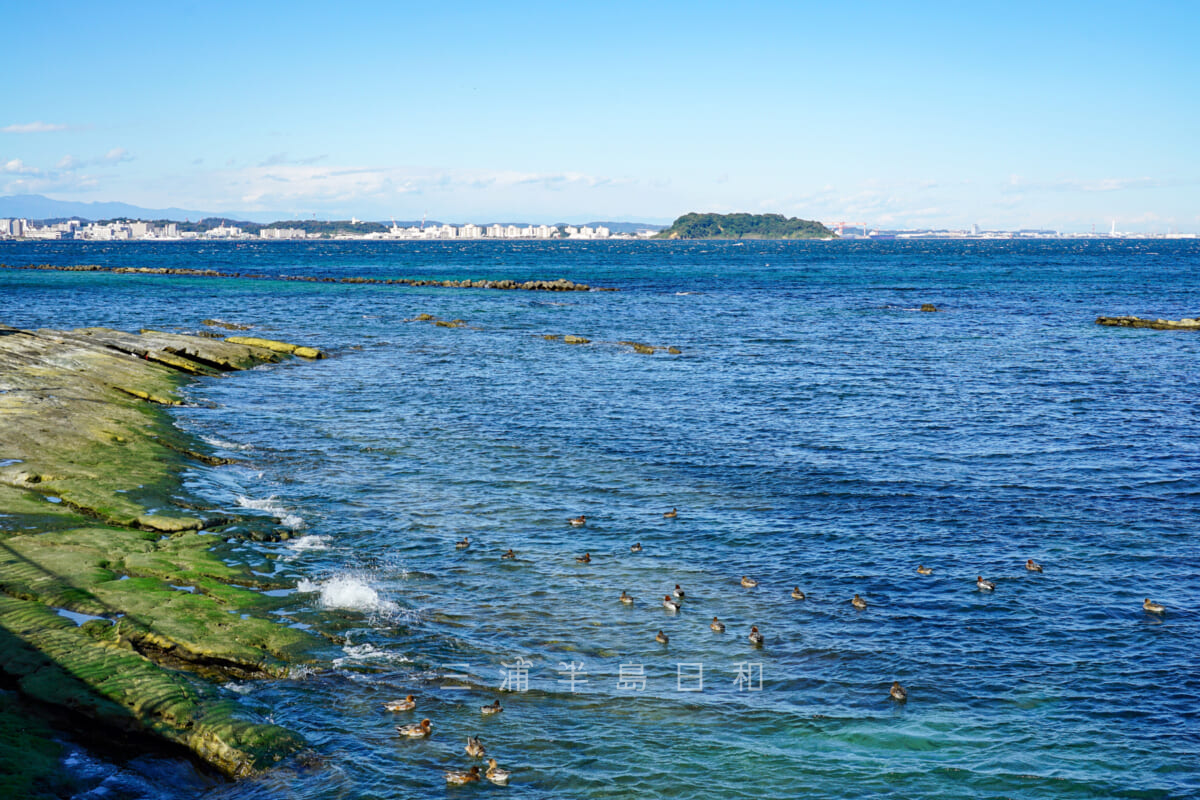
<point x="817" y="431"/>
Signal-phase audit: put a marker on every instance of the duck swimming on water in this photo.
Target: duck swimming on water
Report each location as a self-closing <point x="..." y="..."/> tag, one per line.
<point x="636" y="547"/>
<point x="755" y="637"/>
<point x="984" y="585"/>
<point x="495" y="774"/>
<point x="672" y="514"/>
<point x="508" y="554"/>
<point x="1154" y="608"/>
<point x="898" y="692"/>
<point x="416" y="730"/>
<point x="662" y="638"/>
<point x="924" y="570"/>
<point x="464" y="544"/>
<point x="1033" y="566"/>
<point x="577" y="522"/>
<point x="586" y="558"/>
<point x="749" y="583"/>
<point x="462" y="778"/>
<point x="669" y="604"/>
<point x="717" y="626"/>
<point x="474" y="747"/>
<point x="678" y="592"/>
<point x="494" y="708"/>
<point x="797" y="594"/>
<point x="407" y="704"/>
<point x="858" y="603"/>
<point x="625" y="598"/>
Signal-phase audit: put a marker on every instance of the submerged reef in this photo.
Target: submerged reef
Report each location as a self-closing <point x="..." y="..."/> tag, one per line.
<point x="1185" y="324"/>
<point x="114" y="610"/>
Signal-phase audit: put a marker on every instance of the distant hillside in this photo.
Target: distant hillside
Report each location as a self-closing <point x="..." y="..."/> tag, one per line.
<point x="744" y="226"/>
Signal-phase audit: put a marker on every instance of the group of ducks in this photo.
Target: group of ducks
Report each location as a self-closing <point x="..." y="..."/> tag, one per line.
<point x="672" y="603"/>
<point x="474" y="747"/>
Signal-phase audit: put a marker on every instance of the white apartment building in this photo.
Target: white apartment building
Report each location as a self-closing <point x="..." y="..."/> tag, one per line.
<point x="282" y="233"/>
<point x="13" y="227"/>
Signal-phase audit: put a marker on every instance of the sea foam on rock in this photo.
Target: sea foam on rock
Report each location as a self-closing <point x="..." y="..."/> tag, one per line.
<point x="348" y="592"/>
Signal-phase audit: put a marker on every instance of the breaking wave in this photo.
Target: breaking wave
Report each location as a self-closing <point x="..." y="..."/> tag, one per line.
<point x="348" y="592"/>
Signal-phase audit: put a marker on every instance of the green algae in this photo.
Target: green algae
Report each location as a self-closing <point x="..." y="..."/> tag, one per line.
<point x="89" y="523"/>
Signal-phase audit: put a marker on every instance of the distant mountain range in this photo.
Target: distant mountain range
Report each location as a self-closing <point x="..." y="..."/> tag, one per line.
<point x="39" y="207"/>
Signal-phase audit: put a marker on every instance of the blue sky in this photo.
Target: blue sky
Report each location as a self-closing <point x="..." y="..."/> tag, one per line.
<point x="1061" y="115"/>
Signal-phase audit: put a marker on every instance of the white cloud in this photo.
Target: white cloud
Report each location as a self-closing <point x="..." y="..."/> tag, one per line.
<point x="117" y="155"/>
<point x="18" y="167"/>
<point x="34" y="127"/>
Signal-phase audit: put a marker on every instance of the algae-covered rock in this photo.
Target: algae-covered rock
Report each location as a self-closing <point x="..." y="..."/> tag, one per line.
<point x="929" y="307"/>
<point x="277" y="347"/>
<point x="674" y="350"/>
<point x="87" y="525"/>
<point x="570" y="339"/>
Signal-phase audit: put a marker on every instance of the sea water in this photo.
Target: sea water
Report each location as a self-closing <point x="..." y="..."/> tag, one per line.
<point x="817" y="430"/>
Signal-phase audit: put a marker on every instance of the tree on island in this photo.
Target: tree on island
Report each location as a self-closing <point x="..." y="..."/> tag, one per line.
<point x="744" y="226"/>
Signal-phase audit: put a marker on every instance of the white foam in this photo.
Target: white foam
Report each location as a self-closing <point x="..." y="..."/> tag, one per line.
<point x="272" y="506"/>
<point x="309" y="542"/>
<point x="367" y="652"/>
<point x="222" y="444"/>
<point x="349" y="592"/>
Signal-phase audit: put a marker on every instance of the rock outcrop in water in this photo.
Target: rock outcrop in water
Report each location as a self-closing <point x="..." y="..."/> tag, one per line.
<point x="1185" y="324"/>
<point x="90" y="533"/>
<point x="558" y="285"/>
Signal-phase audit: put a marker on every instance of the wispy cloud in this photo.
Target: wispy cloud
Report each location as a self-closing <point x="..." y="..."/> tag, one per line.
<point x="279" y="159"/>
<point x="1018" y="184"/>
<point x="18" y="167"/>
<point x="69" y="174"/>
<point x="280" y="183"/>
<point x="34" y="127"/>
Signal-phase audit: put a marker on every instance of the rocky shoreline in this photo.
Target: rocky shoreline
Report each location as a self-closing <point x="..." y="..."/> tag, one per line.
<point x="558" y="285"/>
<point x="1185" y="324"/>
<point x="114" y="609"/>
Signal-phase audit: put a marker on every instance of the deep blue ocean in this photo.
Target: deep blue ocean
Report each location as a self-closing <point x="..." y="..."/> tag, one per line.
<point x="817" y="431"/>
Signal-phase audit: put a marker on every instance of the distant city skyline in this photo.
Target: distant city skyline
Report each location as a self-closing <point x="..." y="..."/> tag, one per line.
<point x="1065" y="116"/>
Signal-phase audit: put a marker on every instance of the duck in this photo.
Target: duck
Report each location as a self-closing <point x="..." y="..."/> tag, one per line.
<point x="669" y="604"/>
<point x="1153" y="608"/>
<point x="577" y="522"/>
<point x="495" y="774"/>
<point x="984" y="586"/>
<point x="474" y="747"/>
<point x="756" y="638"/>
<point x="464" y="544"/>
<point x="717" y="626"/>
<point x="626" y="599"/>
<point x="586" y="558"/>
<point x="508" y="554"/>
<point x="636" y="547"/>
<point x="461" y="778"/>
<point x="898" y="692"/>
<point x="672" y="514"/>
<point x="797" y="594"/>
<point x="1033" y="566"/>
<point x="662" y="638"/>
<point x="407" y="704"/>
<point x="416" y="730"/>
<point x="924" y="570"/>
<point x="858" y="603"/>
<point x="678" y="592"/>
<point x="749" y="583"/>
<point x="494" y="708"/>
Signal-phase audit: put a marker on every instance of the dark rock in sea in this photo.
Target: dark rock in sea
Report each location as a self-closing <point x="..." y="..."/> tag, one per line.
<point x="928" y="307"/>
<point x="1185" y="324"/>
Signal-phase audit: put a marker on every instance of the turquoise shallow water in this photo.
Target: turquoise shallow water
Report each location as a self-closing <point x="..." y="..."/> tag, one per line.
<point x="817" y="431"/>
